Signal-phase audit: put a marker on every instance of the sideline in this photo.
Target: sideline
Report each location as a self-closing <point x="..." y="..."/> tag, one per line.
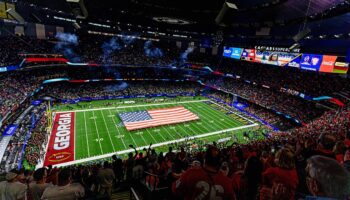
<point x="154" y="145"/>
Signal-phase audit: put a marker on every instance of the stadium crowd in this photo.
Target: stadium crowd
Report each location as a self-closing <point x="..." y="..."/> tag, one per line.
<point x="313" y="160"/>
<point x="287" y="104"/>
<point x="306" y="162"/>
<point x="310" y="83"/>
<point x="22" y="136"/>
<point x="35" y="151"/>
<point x="74" y="91"/>
<point x="314" y="84"/>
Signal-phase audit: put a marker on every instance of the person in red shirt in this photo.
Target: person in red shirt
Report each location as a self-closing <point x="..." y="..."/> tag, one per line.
<point x="347" y="140"/>
<point x="339" y="150"/>
<point x="204" y="183"/>
<point x="284" y="174"/>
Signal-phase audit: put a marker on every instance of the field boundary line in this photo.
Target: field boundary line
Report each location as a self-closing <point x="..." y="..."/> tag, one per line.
<point x="154" y="145"/>
<point x="133" y="106"/>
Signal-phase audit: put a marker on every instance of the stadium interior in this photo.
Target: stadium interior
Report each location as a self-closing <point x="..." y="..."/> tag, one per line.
<point x="174" y="99"/>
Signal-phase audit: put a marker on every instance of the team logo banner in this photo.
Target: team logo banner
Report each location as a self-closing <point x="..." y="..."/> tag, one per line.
<point x="311" y="62"/>
<point x="10" y="130"/>
<point x="61" y="144"/>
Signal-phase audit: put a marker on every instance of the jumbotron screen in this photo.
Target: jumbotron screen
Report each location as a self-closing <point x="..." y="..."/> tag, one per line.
<point x="281" y="57"/>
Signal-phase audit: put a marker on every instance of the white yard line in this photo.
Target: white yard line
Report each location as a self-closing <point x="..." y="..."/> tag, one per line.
<point x="154" y="145"/>
<point x="216" y="123"/>
<point x="134" y="106"/>
<point x="98" y="135"/>
<point x="232" y="111"/>
<point x="215" y="113"/>
<point x="117" y="129"/>
<point x="110" y="139"/>
<point x="87" y="137"/>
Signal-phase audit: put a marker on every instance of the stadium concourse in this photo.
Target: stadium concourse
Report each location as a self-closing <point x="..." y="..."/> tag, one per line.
<point x="166" y="100"/>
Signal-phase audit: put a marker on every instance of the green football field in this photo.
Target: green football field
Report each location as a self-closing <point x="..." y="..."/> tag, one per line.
<point x="99" y="132"/>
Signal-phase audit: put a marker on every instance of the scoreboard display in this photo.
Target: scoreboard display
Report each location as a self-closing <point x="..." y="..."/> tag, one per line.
<point x="283" y="57"/>
<point x="274" y="58"/>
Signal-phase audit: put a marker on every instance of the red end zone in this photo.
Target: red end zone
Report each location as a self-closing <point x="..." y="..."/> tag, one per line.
<point x="61" y="144"/>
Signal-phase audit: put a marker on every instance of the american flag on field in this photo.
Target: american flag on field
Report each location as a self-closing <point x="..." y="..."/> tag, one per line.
<point x="157" y="117"/>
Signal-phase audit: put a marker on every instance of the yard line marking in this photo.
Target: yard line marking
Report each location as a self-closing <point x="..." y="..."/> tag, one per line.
<point x="222" y="121"/>
<point x="135" y="106"/>
<point x="87" y="137"/>
<point x="110" y="139"/>
<point x="154" y="145"/>
<point x="208" y="115"/>
<point x="232" y="111"/>
<point x="117" y="129"/>
<point x="98" y="135"/>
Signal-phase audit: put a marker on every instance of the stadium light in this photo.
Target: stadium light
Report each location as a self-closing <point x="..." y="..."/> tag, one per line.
<point x="294" y="46"/>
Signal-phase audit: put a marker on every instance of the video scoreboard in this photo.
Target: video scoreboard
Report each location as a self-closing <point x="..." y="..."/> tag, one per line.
<point x="283" y="57"/>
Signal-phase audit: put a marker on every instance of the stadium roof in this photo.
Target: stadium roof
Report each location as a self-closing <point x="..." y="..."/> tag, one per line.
<point x="282" y="17"/>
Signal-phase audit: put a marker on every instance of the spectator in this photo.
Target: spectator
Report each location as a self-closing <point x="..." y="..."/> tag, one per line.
<point x="246" y="183"/>
<point x="284" y="173"/>
<point x="325" y="145"/>
<point x="326" y="178"/>
<point x="36" y="188"/>
<point x="346" y="163"/>
<point x="206" y="182"/>
<point x="118" y="169"/>
<point x="65" y="190"/>
<point x="105" y="178"/>
<point x="12" y="189"/>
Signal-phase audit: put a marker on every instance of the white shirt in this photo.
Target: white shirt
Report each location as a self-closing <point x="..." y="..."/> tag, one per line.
<point x="12" y="191"/>
<point x="67" y="192"/>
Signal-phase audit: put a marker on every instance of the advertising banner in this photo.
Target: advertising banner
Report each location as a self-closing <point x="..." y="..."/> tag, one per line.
<point x="10" y="130"/>
<point x="327" y="64"/>
<point x="341" y="66"/>
<point x="275" y="58"/>
<point x="248" y="54"/>
<point x="61" y="144"/>
<point x="295" y="62"/>
<point x="232" y="52"/>
<point x="311" y="62"/>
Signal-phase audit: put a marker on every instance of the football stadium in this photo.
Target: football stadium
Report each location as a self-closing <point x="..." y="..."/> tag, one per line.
<point x="103" y="132"/>
<point x="155" y="99"/>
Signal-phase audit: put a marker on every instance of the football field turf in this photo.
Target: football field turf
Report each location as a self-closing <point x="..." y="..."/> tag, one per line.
<point x="99" y="132"/>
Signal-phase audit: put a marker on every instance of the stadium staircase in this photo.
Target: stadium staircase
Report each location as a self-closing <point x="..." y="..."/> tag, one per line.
<point x="143" y="188"/>
<point x="121" y="196"/>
